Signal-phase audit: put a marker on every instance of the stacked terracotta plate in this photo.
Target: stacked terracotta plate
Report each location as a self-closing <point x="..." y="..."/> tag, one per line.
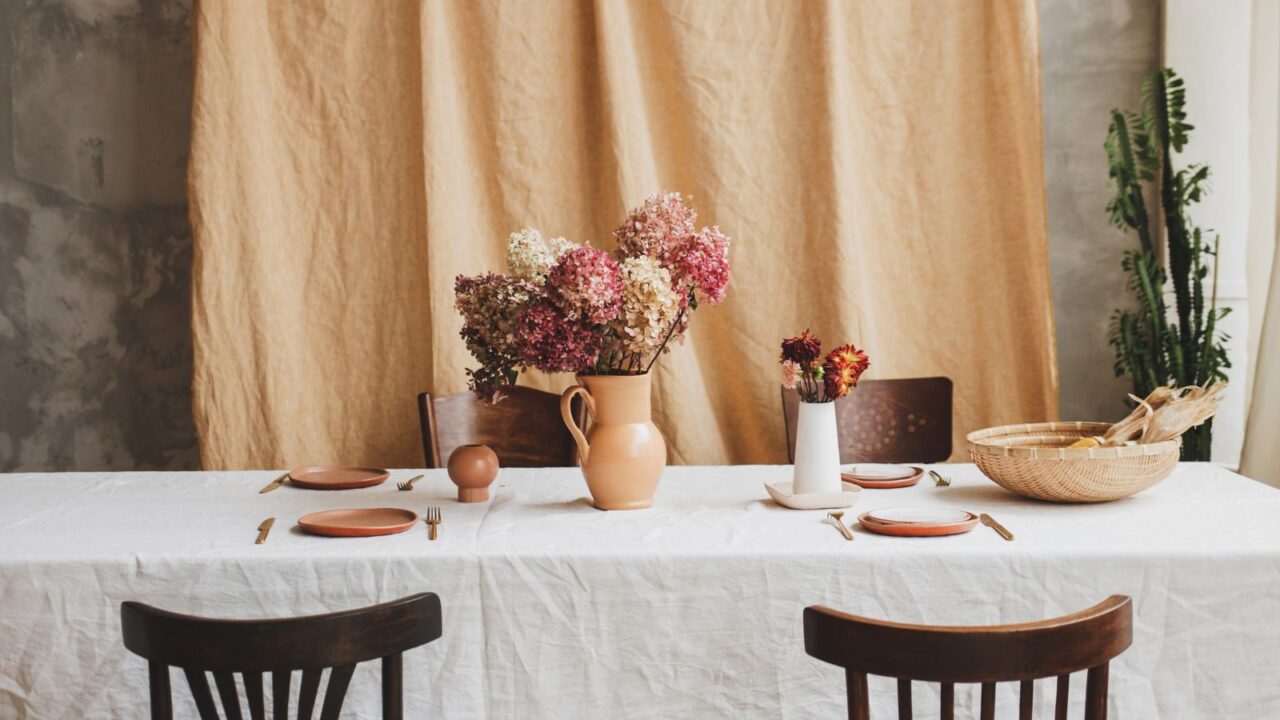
<point x="918" y="521"/>
<point x="876" y="475"/>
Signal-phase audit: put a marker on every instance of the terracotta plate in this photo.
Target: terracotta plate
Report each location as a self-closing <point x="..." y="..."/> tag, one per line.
<point x="358" y="522"/>
<point x="880" y="471"/>
<point x="325" y="477"/>
<point x="918" y="522"/>
<point x="883" y="476"/>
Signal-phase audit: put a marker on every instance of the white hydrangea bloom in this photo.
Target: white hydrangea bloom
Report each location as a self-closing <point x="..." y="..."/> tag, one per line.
<point x="531" y="256"/>
<point x="649" y="304"/>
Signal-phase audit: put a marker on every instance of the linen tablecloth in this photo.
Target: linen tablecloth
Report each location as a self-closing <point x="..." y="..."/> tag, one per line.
<point x="691" y="609"/>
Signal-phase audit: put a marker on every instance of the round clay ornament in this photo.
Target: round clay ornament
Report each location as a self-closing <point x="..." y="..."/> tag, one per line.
<point x="473" y="468"/>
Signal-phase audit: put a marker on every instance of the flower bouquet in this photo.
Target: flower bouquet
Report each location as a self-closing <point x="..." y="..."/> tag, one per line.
<point x="820" y="381"/>
<point x="604" y="316"/>
<point x="565" y="307"/>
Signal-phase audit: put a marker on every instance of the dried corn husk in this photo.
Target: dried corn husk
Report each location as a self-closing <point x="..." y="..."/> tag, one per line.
<point x="1163" y="415"/>
<point x="1190" y="408"/>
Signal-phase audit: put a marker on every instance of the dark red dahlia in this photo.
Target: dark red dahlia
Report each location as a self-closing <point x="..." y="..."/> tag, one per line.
<point x="803" y="349"/>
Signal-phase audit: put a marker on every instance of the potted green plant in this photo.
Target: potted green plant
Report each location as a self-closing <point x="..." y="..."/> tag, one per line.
<point x="1157" y="345"/>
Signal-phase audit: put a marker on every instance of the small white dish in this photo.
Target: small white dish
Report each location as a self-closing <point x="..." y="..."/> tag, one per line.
<point x="920" y="516"/>
<point x="880" y="471"/>
<point x="781" y="494"/>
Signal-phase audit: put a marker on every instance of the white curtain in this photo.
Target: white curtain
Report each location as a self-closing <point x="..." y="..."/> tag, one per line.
<point x="1261" y="455"/>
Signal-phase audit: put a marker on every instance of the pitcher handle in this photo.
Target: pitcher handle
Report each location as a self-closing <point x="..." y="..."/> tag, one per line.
<point x="566" y="412"/>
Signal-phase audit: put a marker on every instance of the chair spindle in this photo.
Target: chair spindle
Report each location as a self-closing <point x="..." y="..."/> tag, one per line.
<point x="1095" y="694"/>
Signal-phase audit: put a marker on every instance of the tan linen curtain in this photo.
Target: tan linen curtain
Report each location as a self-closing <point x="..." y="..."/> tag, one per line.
<point x="878" y="164"/>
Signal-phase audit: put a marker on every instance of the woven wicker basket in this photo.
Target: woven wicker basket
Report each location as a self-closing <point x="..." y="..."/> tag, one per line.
<point x="1033" y="460"/>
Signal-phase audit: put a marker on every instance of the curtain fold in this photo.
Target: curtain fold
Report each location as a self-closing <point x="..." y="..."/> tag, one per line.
<point x="878" y="164"/>
<point x="1260" y="457"/>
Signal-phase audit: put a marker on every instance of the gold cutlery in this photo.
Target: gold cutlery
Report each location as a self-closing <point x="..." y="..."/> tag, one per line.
<point x="840" y="524"/>
<point x="938" y="479"/>
<point x="274" y="484"/>
<point x="991" y="523"/>
<point x="408" y="484"/>
<point x="433" y="519"/>
<point x="263" y="529"/>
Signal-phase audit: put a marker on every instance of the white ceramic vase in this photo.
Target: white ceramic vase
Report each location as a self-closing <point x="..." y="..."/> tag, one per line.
<point x="817" y="468"/>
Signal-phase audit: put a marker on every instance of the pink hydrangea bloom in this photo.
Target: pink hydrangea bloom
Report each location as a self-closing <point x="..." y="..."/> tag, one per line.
<point x="701" y="263"/>
<point x="657" y="227"/>
<point x="554" y="343"/>
<point x="587" y="283"/>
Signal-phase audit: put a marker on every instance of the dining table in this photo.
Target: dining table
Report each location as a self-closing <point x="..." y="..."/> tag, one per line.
<point x="689" y="609"/>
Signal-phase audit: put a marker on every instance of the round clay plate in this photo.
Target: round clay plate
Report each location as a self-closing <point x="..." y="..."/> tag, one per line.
<point x="918" y="522"/>
<point x="882" y="476"/>
<point x="337" y="478"/>
<point x="359" y="522"/>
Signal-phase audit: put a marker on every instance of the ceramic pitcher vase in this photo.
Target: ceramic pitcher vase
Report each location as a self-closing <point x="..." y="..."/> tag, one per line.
<point x="623" y="454"/>
<point x="817" y="467"/>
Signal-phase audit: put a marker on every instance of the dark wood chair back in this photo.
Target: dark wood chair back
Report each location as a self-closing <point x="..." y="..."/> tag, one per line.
<point x="889" y="421"/>
<point x="337" y="642"/>
<point x="1023" y="653"/>
<point x="524" y="429"/>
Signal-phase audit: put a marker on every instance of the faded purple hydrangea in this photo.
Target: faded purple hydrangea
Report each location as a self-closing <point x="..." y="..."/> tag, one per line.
<point x="553" y="343"/>
<point x="490" y="306"/>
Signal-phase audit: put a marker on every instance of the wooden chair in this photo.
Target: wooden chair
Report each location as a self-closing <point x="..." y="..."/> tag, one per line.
<point x="1086" y="640"/>
<point x="890" y="421"/>
<point x="337" y="641"/>
<point x="524" y="429"/>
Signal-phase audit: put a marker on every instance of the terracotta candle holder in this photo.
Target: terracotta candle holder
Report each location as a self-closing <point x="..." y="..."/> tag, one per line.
<point x="473" y="468"/>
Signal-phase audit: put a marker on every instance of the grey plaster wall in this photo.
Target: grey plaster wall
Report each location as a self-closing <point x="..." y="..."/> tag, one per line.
<point x="95" y="249"/>
<point x="1094" y="55"/>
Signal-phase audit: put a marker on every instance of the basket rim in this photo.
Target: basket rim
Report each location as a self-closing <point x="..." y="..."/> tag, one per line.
<point x="986" y="442"/>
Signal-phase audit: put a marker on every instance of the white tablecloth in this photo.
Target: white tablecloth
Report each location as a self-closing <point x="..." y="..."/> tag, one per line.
<point x="691" y="609"/>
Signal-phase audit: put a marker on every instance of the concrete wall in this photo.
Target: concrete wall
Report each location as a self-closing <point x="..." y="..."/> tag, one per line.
<point x="95" y="250"/>
<point x="1093" y="56"/>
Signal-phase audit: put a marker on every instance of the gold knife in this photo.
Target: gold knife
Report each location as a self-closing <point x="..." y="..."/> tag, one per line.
<point x="263" y="529"/>
<point x="991" y="523"/>
<point x="274" y="484"/>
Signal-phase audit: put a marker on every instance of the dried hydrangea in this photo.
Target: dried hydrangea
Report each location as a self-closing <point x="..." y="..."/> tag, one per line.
<point x="650" y="305"/>
<point x="554" y="343"/>
<point x="701" y="264"/>
<point x="586" y="284"/>
<point x="531" y="256"/>
<point x="657" y="227"/>
<point x="490" y="306"/>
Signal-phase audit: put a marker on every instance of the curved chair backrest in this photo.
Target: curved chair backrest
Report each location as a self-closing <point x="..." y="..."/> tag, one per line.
<point x="524" y="429"/>
<point x="890" y="421"/>
<point x="1086" y="640"/>
<point x="336" y="641"/>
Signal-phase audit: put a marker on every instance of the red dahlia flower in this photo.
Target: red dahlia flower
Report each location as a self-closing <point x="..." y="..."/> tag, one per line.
<point x="843" y="366"/>
<point x="802" y="349"/>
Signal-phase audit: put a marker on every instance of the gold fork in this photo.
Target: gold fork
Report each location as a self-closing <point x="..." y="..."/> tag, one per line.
<point x="408" y="484"/>
<point x="836" y="516"/>
<point x="433" y="519"/>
